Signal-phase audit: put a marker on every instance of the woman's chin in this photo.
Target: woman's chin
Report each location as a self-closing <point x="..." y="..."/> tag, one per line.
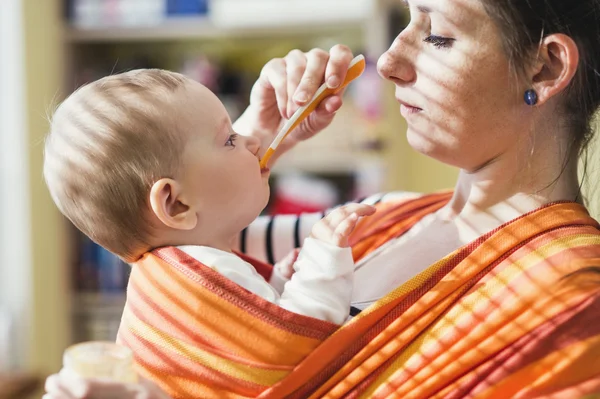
<point x="436" y="150"/>
<point x="422" y="143"/>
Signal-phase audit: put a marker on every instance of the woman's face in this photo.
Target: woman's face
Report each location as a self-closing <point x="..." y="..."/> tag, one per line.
<point x="457" y="94"/>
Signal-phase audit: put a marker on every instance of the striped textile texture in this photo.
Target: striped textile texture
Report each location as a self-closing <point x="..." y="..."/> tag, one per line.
<point x="514" y="314"/>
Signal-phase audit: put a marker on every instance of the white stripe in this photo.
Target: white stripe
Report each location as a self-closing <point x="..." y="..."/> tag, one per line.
<point x="255" y="238"/>
<point x="283" y="236"/>
<point x="307" y="221"/>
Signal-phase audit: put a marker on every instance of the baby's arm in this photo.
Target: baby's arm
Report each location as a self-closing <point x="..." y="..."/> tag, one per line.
<point x="321" y="287"/>
<point x="283" y="271"/>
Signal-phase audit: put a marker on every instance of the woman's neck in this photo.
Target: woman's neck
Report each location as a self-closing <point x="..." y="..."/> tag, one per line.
<point x="514" y="184"/>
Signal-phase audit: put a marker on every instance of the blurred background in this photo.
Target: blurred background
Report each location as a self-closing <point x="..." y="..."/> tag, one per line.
<point x="56" y="287"/>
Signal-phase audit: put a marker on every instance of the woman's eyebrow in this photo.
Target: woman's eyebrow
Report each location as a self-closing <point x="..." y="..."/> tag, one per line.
<point x="422" y="9"/>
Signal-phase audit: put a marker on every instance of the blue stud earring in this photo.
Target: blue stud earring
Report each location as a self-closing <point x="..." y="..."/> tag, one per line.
<point x="531" y="97"/>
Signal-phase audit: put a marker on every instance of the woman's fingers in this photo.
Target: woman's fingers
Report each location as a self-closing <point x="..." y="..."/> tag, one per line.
<point x="282" y="82"/>
<point x="295" y="63"/>
<point x="340" y="57"/>
<point x="316" y="63"/>
<point x="56" y="389"/>
<point x="273" y="78"/>
<point x="65" y="385"/>
<point x="331" y="104"/>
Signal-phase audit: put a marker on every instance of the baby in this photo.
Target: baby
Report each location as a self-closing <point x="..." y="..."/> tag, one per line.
<point x="148" y="159"/>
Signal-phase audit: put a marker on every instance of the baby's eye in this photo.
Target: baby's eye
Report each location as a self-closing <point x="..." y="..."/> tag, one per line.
<point x="439" y="41"/>
<point x="231" y="140"/>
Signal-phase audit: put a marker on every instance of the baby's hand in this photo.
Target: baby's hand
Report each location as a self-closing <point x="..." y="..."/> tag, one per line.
<point x="336" y="227"/>
<point x="285" y="267"/>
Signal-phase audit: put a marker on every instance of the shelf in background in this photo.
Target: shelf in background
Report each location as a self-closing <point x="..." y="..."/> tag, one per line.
<point x="97" y="315"/>
<point x="227" y="18"/>
<point x="192" y="28"/>
<point x="103" y="302"/>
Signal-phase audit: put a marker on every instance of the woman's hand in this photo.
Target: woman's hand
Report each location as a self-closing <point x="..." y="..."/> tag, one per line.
<point x="285" y="84"/>
<point x="66" y="386"/>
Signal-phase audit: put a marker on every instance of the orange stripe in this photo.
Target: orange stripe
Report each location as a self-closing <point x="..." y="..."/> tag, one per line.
<point x="569" y="366"/>
<point x="569" y="327"/>
<point x="484" y="251"/>
<point x="210" y="347"/>
<point x="221" y="320"/>
<point x="245" y="300"/>
<point x="589" y="389"/>
<point x="355" y="378"/>
<point x="392" y="220"/>
<point x="170" y="364"/>
<point x="172" y="376"/>
<point x="381" y="349"/>
<point x="353" y="337"/>
<point x="393" y="334"/>
<point x="476" y="336"/>
<point x="145" y="306"/>
<point x="153" y="309"/>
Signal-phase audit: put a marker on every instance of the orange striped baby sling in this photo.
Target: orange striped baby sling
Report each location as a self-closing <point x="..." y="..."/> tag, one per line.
<point x="508" y="315"/>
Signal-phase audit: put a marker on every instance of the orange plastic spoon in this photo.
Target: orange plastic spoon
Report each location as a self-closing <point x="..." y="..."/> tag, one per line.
<point x="356" y="68"/>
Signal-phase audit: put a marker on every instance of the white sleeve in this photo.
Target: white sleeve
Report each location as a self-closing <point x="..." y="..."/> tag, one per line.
<point x="278" y="280"/>
<point x="321" y="287"/>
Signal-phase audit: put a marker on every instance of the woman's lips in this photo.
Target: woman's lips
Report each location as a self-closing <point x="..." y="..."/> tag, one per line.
<point x="406" y="109"/>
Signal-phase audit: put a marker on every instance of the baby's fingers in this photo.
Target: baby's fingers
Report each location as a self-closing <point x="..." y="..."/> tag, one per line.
<point x="340" y="213"/>
<point x="364" y="210"/>
<point x="344" y="229"/>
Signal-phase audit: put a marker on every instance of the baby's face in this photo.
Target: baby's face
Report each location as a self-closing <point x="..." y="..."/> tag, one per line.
<point x="219" y="170"/>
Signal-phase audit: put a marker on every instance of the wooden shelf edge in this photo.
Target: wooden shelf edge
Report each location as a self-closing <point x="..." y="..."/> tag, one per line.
<point x="192" y="28"/>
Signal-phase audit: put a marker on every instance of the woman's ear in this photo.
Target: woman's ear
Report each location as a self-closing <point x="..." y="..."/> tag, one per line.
<point x="169" y="207"/>
<point x="555" y="66"/>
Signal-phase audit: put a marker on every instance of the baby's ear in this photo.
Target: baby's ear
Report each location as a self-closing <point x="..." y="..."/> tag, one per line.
<point x="169" y="207"/>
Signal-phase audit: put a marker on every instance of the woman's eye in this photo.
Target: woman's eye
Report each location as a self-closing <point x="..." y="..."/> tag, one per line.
<point x="439" y="41"/>
<point x="231" y="140"/>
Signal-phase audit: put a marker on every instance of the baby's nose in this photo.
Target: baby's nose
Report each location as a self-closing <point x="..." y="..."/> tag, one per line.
<point x="253" y="144"/>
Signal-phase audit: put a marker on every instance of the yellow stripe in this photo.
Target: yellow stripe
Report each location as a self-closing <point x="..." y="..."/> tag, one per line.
<point x="430" y="339"/>
<point x="162" y="288"/>
<point x="251" y="374"/>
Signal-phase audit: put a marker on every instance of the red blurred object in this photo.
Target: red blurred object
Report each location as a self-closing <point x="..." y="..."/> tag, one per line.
<point x="292" y="206"/>
<point x="302" y="194"/>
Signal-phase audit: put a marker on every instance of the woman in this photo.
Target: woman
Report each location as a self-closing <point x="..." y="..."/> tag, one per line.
<point x="488" y="291"/>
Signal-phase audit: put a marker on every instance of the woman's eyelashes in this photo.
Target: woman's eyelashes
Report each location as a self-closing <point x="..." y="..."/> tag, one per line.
<point x="439" y="41"/>
<point x="231" y="140"/>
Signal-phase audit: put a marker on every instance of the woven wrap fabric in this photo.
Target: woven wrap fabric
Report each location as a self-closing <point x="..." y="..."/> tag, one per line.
<point x="512" y="314"/>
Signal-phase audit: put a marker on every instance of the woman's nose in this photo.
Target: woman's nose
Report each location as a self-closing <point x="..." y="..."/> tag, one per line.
<point x="395" y="64"/>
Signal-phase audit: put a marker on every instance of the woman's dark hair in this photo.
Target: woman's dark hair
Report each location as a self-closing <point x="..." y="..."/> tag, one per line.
<point x="524" y="22"/>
